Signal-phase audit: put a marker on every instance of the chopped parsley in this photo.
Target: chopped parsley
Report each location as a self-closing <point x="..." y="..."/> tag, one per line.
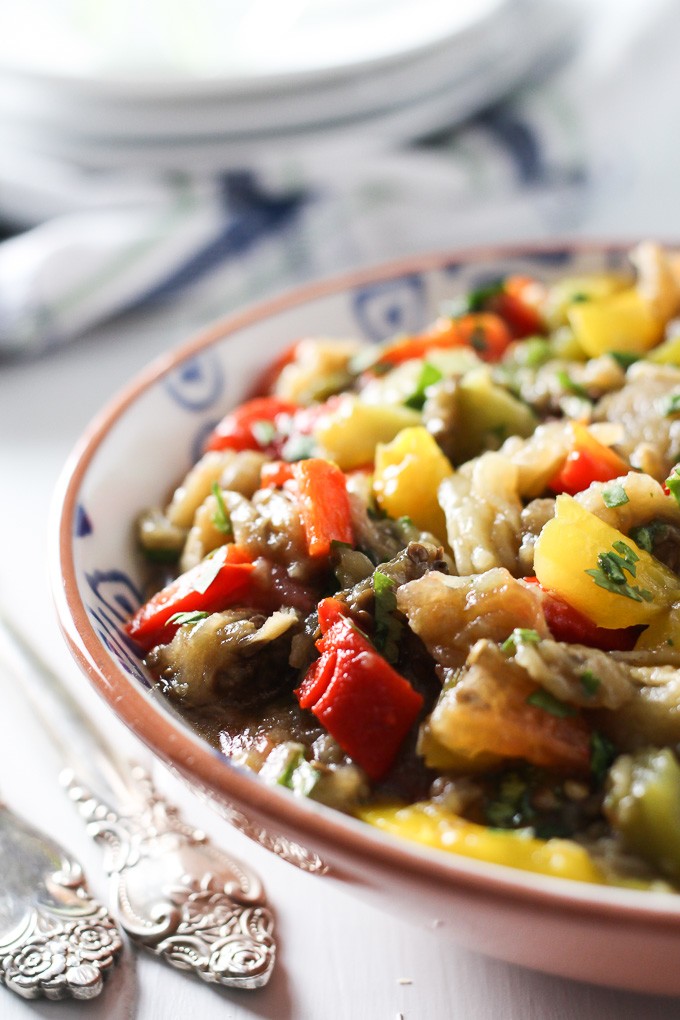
<point x="549" y="703"/>
<point x="602" y="754"/>
<point x="263" y="432"/>
<point x="534" y="352"/>
<point x="210" y="568"/>
<point x="299" y="775"/>
<point x="611" y="573"/>
<point x="474" y="301"/>
<point x="673" y="484"/>
<point x="624" y="359"/>
<point x="673" y="405"/>
<point x="568" y="384"/>
<point x="478" y="340"/>
<point x="590" y="682"/>
<point x="511" y="806"/>
<point x="182" y="619"/>
<point x="520" y="636"/>
<point x="614" y="494"/>
<point x="429" y="375"/>
<point x="298" y="448"/>
<point x="221" y="518"/>
<point x="387" y="627"/>
<point x="646" y="535"/>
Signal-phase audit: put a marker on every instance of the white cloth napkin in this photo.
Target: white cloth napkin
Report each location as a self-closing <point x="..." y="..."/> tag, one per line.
<point x="592" y="148"/>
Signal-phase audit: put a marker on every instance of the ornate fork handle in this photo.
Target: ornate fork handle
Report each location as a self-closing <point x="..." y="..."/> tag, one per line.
<point x="55" y="939"/>
<point x="176" y="893"/>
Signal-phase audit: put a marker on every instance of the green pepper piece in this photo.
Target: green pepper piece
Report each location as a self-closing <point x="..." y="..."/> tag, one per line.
<point x="643" y="805"/>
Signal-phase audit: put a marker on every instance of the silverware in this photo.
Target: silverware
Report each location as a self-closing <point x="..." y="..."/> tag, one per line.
<point x="172" y="891"/>
<point x="55" y="939"/>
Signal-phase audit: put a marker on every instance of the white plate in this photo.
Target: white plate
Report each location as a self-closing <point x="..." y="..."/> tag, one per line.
<point x="420" y="95"/>
<point x="85" y="111"/>
<point x="165" y="49"/>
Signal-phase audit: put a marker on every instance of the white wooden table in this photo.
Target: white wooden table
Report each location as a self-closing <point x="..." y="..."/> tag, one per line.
<point x="339" y="959"/>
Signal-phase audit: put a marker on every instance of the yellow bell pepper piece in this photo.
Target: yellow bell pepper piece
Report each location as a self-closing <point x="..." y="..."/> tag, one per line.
<point x="623" y="322"/>
<point x="350" y="432"/>
<point x="576" y="542"/>
<point x="408" y="472"/>
<point x="667" y="353"/>
<point x="431" y="824"/>
<point x="572" y="290"/>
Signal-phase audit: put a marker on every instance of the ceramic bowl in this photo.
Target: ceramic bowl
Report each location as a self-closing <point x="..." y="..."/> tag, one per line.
<point x="131" y="456"/>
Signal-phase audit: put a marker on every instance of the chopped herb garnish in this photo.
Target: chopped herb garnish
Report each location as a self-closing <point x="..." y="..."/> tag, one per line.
<point x="614" y="494"/>
<point x="590" y="682"/>
<point x="182" y="619"/>
<point x="511" y="806"/>
<point x="210" y="568"/>
<point x="263" y="431"/>
<point x="387" y="627"/>
<point x="299" y="775"/>
<point x="159" y="554"/>
<point x="287" y="766"/>
<point x="549" y="703"/>
<point x="221" y="518"/>
<point x="474" y="301"/>
<point x="303" y="779"/>
<point x="337" y="544"/>
<point x="673" y="484"/>
<point x="298" y="448"/>
<point x="478" y="340"/>
<point x="611" y="573"/>
<point x="534" y="352"/>
<point x="673" y="405"/>
<point x="602" y="754"/>
<point x="520" y="636"/>
<point x="568" y="384"/>
<point x="646" y="535"/>
<point x="624" y="359"/>
<point x="429" y="375"/>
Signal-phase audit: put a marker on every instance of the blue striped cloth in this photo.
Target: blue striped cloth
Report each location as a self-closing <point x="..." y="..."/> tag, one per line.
<point x="590" y="149"/>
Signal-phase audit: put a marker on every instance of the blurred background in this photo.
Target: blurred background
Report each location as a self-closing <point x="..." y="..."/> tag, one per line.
<point x="198" y="156"/>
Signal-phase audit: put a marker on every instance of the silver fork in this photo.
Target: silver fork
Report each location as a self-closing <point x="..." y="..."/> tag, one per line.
<point x="172" y="891"/>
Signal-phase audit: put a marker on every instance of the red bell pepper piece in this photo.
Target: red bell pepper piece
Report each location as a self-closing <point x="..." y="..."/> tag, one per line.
<point x="216" y="582"/>
<point x="518" y="304"/>
<point x="366" y="706"/>
<point x="589" y="461"/>
<point x="275" y="473"/>
<point x="485" y="332"/>
<point x="583" y="467"/>
<point x="567" y="624"/>
<point x="324" y="504"/>
<point x="239" y="429"/>
<point x="329" y="611"/>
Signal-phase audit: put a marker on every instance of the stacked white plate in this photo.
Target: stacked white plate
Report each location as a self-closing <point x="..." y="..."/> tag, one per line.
<point x="216" y="85"/>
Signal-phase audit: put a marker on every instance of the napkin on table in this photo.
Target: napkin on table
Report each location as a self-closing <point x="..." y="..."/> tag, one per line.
<point x="588" y="149"/>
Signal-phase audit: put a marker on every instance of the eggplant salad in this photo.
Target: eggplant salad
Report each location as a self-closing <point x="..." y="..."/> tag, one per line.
<point x="434" y="583"/>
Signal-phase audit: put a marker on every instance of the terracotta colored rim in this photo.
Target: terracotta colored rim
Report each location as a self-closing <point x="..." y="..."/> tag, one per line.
<point x="175" y="744"/>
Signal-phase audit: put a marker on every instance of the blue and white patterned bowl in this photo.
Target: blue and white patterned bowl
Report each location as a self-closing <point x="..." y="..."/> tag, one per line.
<point x="131" y="457"/>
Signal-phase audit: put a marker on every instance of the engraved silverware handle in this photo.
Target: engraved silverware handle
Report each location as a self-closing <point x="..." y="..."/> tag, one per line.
<point x="172" y="890"/>
<point x="56" y="941"/>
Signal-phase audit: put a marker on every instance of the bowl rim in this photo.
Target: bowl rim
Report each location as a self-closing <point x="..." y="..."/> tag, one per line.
<point x="172" y="743"/>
